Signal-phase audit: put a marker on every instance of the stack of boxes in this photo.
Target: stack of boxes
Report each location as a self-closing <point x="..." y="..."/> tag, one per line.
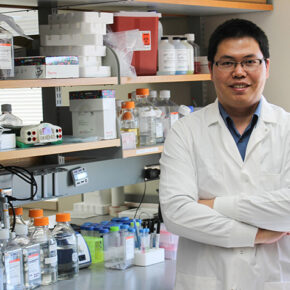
<point x="78" y="34"/>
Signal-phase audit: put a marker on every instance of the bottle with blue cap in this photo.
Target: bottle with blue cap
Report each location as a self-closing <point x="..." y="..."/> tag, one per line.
<point x="115" y="249"/>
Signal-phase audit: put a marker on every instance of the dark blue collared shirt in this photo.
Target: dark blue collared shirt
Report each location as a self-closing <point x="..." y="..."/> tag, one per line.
<point x="241" y="140"/>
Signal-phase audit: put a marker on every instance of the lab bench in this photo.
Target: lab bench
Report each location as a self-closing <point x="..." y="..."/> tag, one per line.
<point x="159" y="276"/>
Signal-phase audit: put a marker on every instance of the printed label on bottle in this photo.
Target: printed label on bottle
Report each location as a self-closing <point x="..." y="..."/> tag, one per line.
<point x="13" y="268"/>
<point x="159" y="130"/>
<point x="51" y="260"/>
<point x="52" y="247"/>
<point x="181" y="60"/>
<point x="33" y="264"/>
<point x="173" y="118"/>
<point x="5" y="56"/>
<point x="167" y="60"/>
<point x="129" y="247"/>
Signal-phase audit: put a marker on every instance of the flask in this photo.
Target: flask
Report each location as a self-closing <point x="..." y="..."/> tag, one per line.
<point x="31" y="257"/>
<point x="129" y="122"/>
<point x="18" y="217"/>
<point x="147" y="119"/>
<point x="67" y="247"/>
<point x="190" y="55"/>
<point x="32" y="214"/>
<point x="196" y="51"/>
<point x="7" y="118"/>
<point x="48" y="250"/>
<point x="166" y="57"/>
<point x="12" y="259"/>
<point x="181" y="64"/>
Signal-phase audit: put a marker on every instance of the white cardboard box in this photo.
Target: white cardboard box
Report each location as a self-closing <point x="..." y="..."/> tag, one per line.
<point x="94" y="117"/>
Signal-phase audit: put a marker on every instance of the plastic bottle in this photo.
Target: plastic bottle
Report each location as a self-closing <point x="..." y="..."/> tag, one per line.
<point x="67" y="247"/>
<point x="7" y="118"/>
<point x="190" y="55"/>
<point x="169" y="111"/>
<point x="7" y="53"/>
<point x="33" y="213"/>
<point x="128" y="241"/>
<point x="147" y="239"/>
<point x="129" y="122"/>
<point x="183" y="111"/>
<point x="166" y="57"/>
<point x="147" y="119"/>
<point x="115" y="249"/>
<point x="196" y="51"/>
<point x="181" y="64"/>
<point x="106" y="244"/>
<point x="48" y="250"/>
<point x="31" y="257"/>
<point x="13" y="262"/>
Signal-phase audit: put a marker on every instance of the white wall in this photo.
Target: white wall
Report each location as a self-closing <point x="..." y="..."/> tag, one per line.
<point x="276" y="25"/>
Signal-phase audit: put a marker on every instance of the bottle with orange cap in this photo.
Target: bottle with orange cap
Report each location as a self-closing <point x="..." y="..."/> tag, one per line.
<point x="67" y="247"/>
<point x="129" y="122"/>
<point x="48" y="250"/>
<point x="18" y="216"/>
<point x="33" y="213"/>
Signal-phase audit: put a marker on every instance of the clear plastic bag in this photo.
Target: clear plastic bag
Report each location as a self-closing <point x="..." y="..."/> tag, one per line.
<point x="123" y="44"/>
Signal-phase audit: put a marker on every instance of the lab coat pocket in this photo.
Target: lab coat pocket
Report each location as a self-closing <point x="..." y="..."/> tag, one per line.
<point x="277" y="286"/>
<point x="270" y="181"/>
<point x="187" y="281"/>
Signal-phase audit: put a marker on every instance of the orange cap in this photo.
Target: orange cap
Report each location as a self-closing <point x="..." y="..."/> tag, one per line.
<point x="142" y="92"/>
<point x="18" y="211"/>
<point x="35" y="212"/>
<point x="129" y="105"/>
<point x="41" y="221"/>
<point x="63" y="217"/>
<point x="127" y="116"/>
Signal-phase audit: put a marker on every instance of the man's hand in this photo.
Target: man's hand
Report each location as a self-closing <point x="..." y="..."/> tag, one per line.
<point x="268" y="237"/>
<point x="208" y="202"/>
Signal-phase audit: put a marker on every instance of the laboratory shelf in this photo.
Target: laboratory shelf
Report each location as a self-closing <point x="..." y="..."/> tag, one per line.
<point x="38" y="83"/>
<point x="17" y="153"/>
<point x="148" y="150"/>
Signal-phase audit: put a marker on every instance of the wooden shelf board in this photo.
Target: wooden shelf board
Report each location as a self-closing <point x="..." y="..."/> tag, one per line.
<point x="143" y="151"/>
<point x="56" y="149"/>
<point x="37" y="83"/>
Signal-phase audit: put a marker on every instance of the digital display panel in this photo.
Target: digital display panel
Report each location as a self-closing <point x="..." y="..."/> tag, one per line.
<point x="46" y="131"/>
<point x="80" y="175"/>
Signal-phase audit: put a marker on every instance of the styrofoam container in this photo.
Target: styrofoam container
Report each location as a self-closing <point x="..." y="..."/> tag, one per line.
<point x="90" y="61"/>
<point x="94" y="117"/>
<point x="79" y="16"/>
<point x="73" y="28"/>
<point x="93" y="71"/>
<point x="71" y="39"/>
<point x="150" y="257"/>
<point x="85" y="50"/>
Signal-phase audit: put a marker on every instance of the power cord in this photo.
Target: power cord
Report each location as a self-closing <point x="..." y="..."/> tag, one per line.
<point x="142" y="198"/>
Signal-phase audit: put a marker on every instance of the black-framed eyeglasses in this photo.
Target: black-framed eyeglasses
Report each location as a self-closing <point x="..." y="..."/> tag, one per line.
<point x="247" y="64"/>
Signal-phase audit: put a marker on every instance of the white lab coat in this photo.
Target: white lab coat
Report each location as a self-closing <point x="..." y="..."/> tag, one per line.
<point x="216" y="246"/>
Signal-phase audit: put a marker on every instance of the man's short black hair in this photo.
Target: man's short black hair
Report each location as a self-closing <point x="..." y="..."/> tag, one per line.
<point x="237" y="28"/>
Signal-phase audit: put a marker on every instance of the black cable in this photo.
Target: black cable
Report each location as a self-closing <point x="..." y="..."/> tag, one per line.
<point x="141" y="199"/>
<point x="26" y="176"/>
<point x="14" y="216"/>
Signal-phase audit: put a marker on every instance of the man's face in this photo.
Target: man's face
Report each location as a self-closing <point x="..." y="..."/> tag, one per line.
<point x="239" y="88"/>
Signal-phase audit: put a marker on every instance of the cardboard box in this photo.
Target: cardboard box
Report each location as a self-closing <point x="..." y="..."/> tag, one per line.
<point x="41" y="67"/>
<point x="94" y="117"/>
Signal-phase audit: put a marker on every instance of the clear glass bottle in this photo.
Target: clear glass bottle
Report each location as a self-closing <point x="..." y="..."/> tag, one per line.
<point x="67" y="247"/>
<point x="13" y="262"/>
<point x="196" y="51"/>
<point x="7" y="54"/>
<point x="129" y="122"/>
<point x="169" y="111"/>
<point x="7" y="118"/>
<point x="181" y="65"/>
<point x="147" y="127"/>
<point x="18" y="217"/>
<point x="33" y="213"/>
<point x="48" y="250"/>
<point x="31" y="257"/>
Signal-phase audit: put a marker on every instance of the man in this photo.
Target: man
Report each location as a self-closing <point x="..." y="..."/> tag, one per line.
<point x="225" y="174"/>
